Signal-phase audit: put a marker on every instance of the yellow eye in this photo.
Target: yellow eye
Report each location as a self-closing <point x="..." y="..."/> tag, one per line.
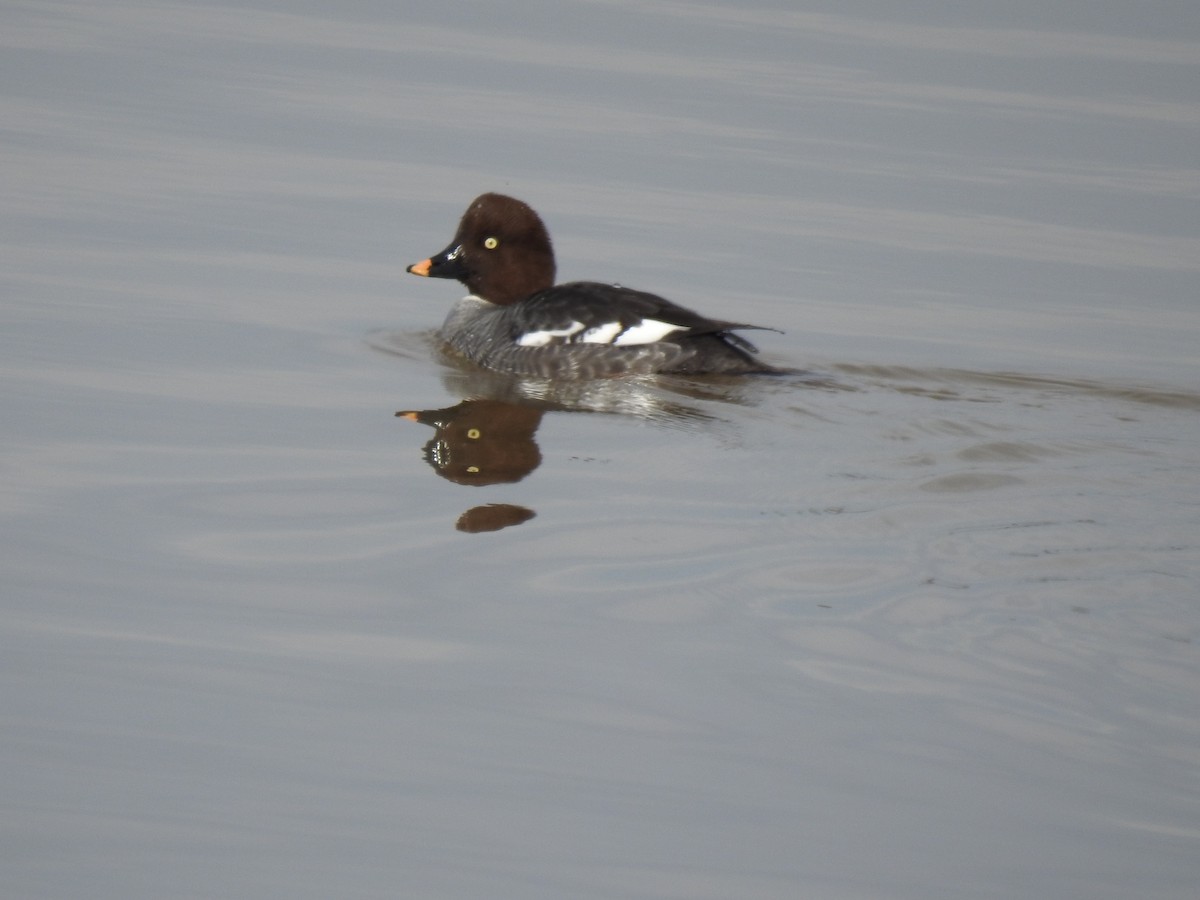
<point x="491" y="243"/>
<point x="473" y="433"/>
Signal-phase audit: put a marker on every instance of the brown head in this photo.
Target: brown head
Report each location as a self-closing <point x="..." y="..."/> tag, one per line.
<point x="501" y="251"/>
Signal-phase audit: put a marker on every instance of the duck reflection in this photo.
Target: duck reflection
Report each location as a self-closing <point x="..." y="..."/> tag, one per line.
<point x="481" y="442"/>
<point x="490" y="439"/>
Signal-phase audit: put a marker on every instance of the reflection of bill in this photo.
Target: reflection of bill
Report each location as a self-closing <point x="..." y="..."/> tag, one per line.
<point x="480" y="442"/>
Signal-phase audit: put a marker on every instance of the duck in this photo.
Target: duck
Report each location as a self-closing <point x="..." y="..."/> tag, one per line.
<point x="516" y="320"/>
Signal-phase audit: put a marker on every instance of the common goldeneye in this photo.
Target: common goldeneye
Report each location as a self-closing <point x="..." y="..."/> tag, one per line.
<point x="517" y="320"/>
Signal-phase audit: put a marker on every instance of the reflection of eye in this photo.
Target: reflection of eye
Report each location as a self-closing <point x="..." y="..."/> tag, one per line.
<point x="491" y="243"/>
<point x="473" y="433"/>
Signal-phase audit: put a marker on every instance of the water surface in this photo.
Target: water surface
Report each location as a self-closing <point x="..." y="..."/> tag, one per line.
<point x="918" y="621"/>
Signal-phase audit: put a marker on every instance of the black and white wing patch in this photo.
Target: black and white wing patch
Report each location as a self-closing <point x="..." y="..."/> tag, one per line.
<point x="594" y="313"/>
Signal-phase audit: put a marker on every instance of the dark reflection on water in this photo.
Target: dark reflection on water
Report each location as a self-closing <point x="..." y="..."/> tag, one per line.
<point x="481" y="442"/>
<point x="492" y="517"/>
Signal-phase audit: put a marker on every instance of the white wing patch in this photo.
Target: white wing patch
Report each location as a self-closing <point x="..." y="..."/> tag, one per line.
<point x="542" y="338"/>
<point x="601" y="334"/>
<point x="647" y="332"/>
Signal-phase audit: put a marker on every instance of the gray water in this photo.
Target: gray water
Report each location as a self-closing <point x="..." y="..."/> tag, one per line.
<point x="919" y="620"/>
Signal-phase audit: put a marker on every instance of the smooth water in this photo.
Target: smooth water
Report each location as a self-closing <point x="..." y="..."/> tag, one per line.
<point x="920" y="619"/>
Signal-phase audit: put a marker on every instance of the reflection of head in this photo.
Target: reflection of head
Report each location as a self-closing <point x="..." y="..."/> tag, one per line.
<point x="481" y="442"/>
